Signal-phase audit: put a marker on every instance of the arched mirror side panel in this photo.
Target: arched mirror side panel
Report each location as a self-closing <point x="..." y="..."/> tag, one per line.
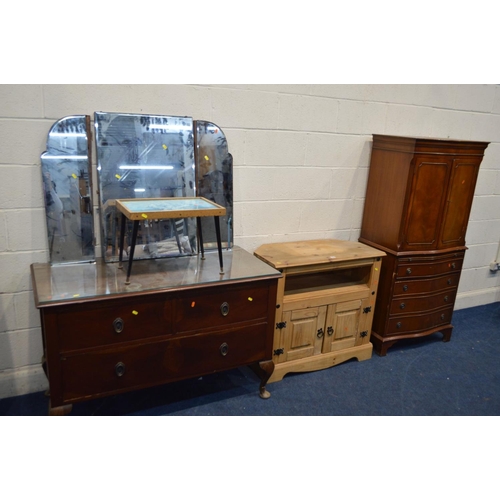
<point x="215" y="179"/>
<point x="145" y="156"/>
<point x="67" y="187"/>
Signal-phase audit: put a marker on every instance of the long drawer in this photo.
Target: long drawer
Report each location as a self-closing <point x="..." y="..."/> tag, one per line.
<point x="405" y="305"/>
<point x="419" y="322"/>
<point x="123" y="368"/>
<point x="114" y="321"/>
<point x="410" y="269"/>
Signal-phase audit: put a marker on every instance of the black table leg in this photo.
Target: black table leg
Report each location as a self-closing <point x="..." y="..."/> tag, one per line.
<point x="132" y="248"/>
<point x="219" y="245"/>
<point x="200" y="236"/>
<point x="122" y="240"/>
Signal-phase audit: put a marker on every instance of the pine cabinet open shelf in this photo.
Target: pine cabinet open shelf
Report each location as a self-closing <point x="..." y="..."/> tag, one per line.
<point x="325" y="303"/>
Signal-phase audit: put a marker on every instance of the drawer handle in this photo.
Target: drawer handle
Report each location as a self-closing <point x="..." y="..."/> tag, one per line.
<point x="398" y="325"/>
<point x="320" y="333"/>
<point x="329" y="330"/>
<point x="442" y="317"/>
<point x="449" y="282"/>
<point x="405" y="288"/>
<point x="453" y="265"/>
<point x="224" y="309"/>
<point x="408" y="271"/>
<point x="118" y="325"/>
<point x="120" y="369"/>
<point x="224" y="349"/>
<point x="446" y="298"/>
<point x="402" y="305"/>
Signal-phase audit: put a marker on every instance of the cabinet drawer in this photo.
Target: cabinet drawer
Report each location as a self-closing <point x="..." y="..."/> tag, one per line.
<point x="420" y="322"/>
<point x="124" y="368"/>
<point x="428" y="268"/>
<point x="411" y="287"/>
<point x="221" y="307"/>
<point x="424" y="303"/>
<point x="92" y="325"/>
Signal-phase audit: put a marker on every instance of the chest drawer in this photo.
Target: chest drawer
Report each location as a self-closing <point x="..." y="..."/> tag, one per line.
<point x="90" y="325"/>
<point x="405" y="305"/>
<point x="221" y="307"/>
<point x="419" y="322"/>
<point x="429" y="285"/>
<point x="120" y="369"/>
<point x="411" y="269"/>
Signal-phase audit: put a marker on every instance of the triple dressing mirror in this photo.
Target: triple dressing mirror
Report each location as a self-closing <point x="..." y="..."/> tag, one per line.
<point x="137" y="156"/>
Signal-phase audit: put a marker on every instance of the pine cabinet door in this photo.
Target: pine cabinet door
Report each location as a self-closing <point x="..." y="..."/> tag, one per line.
<point x="347" y="325"/>
<point x="303" y="333"/>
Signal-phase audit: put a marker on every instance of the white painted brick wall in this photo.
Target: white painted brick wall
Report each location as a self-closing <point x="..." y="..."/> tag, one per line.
<point x="301" y="156"/>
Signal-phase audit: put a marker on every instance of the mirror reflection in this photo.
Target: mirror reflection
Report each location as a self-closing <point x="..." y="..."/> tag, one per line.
<point x="67" y="191"/>
<point x="215" y="179"/>
<point x="145" y="156"/>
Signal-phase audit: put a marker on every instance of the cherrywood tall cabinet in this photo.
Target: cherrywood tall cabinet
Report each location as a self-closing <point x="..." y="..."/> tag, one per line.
<point x="417" y="207"/>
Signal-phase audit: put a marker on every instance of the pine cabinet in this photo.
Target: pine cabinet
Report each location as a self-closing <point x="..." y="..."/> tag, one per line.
<point x="325" y="303"/>
<point x="418" y="201"/>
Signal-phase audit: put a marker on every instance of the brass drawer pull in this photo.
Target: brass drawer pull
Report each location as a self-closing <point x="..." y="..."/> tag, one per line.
<point x="408" y="271"/>
<point x="120" y="369"/>
<point x="446" y="298"/>
<point x="224" y="349"/>
<point x="118" y="325"/>
<point x="402" y="305"/>
<point x="405" y="288"/>
<point x="449" y="282"/>
<point x="453" y="265"/>
<point x="399" y="325"/>
<point x="224" y="309"/>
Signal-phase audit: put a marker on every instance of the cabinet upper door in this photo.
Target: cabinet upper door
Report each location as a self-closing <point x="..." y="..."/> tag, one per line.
<point x="425" y="204"/>
<point x="458" y="203"/>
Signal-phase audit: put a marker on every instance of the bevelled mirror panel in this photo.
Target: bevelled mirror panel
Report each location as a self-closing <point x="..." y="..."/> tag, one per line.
<point x="145" y="156"/>
<point x="68" y="191"/>
<point x="215" y="179"/>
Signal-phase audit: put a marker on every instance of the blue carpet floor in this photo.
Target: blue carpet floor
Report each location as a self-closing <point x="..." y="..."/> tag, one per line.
<point x="424" y="377"/>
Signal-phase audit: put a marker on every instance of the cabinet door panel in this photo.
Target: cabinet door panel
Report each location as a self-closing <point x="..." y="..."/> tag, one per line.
<point x="458" y="203"/>
<point x="343" y="325"/>
<point x="425" y="204"/>
<point x="301" y="332"/>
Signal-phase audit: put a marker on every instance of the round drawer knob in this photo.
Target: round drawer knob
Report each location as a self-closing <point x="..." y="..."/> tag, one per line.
<point x="120" y="369"/>
<point x="402" y="305"/>
<point x="118" y="325"/>
<point x="224" y="309"/>
<point x="224" y="349"/>
<point x="408" y="271"/>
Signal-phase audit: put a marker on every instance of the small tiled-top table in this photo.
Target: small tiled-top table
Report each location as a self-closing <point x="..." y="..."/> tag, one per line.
<point x="140" y="209"/>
